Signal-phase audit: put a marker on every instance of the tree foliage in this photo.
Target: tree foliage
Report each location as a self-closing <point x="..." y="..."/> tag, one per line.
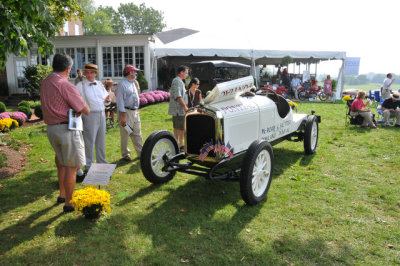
<point x="34" y="76"/>
<point x="140" y="19"/>
<point x="26" y="22"/>
<point x="129" y="18"/>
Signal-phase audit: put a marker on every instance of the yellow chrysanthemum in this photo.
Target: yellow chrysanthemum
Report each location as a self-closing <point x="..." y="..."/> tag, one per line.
<point x="347" y="98"/>
<point x="7" y="124"/>
<point x="91" y="196"/>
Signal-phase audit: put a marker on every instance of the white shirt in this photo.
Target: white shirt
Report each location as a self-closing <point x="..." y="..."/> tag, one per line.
<point x="96" y="94"/>
<point x="386" y="88"/>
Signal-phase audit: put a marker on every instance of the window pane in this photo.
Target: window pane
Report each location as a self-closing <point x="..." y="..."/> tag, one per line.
<point x="117" y="61"/>
<point x="139" y="57"/>
<point x="128" y="54"/>
<point x="107" y="62"/>
<point x="92" y="55"/>
<point x="45" y="60"/>
<point x="34" y="57"/>
<point x="80" y="58"/>
<point x="71" y="53"/>
<point x="20" y="67"/>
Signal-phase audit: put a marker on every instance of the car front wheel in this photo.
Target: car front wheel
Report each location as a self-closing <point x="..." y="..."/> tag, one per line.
<point x="256" y="172"/>
<point x="152" y="162"/>
<point x="311" y="135"/>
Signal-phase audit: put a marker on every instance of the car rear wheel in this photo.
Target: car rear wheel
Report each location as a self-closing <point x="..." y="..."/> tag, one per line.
<point x="256" y="172"/>
<point x="157" y="145"/>
<point x="311" y="135"/>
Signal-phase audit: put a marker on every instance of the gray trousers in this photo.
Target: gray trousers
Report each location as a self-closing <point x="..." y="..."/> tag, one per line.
<point x="387" y="115"/>
<point x="133" y="120"/>
<point x="94" y="136"/>
<point x="367" y="121"/>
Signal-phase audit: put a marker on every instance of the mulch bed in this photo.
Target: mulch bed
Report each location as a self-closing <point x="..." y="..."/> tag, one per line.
<point x="16" y="159"/>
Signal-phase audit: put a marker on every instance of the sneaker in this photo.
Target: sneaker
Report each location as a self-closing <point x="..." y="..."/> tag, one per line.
<point x="80" y="178"/>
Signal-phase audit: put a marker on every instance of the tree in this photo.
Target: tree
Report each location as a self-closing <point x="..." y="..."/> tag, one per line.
<point x="26" y="22"/>
<point x="98" y="23"/>
<point x="140" y="19"/>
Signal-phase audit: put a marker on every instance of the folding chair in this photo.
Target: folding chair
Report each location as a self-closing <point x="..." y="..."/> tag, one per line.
<point x="352" y="120"/>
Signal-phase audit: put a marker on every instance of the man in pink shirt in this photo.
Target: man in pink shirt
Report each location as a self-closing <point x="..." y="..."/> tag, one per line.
<point x="57" y="96"/>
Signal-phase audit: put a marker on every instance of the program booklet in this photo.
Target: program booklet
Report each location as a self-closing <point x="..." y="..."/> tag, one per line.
<point x="74" y="122"/>
<point x="128" y="129"/>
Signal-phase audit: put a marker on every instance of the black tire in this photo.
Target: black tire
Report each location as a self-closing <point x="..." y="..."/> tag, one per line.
<point x="322" y="96"/>
<point x="311" y="135"/>
<point x="259" y="157"/>
<point x="302" y="95"/>
<point x="151" y="161"/>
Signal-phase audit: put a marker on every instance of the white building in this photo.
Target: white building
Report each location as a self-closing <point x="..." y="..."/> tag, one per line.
<point x="110" y="52"/>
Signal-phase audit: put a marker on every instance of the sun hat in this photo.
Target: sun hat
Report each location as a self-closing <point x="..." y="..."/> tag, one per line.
<point x="91" y="67"/>
<point x="109" y="81"/>
<point x="130" y="68"/>
<point x="396" y="96"/>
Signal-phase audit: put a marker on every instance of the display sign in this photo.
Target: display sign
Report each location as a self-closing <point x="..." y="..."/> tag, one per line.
<point x="99" y="174"/>
<point x="352" y="66"/>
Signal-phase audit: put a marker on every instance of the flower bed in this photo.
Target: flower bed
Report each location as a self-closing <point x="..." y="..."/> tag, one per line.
<point x="7" y="124"/>
<point x="152" y="97"/>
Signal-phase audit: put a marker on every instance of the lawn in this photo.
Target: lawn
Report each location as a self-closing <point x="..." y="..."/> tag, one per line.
<point x="338" y="206"/>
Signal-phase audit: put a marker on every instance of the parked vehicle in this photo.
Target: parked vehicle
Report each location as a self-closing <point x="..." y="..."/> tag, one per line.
<point x="307" y="91"/>
<point x="211" y="73"/>
<point x="279" y="90"/>
<point x="231" y="138"/>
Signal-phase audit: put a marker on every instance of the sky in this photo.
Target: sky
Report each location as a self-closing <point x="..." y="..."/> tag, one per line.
<point x="365" y="29"/>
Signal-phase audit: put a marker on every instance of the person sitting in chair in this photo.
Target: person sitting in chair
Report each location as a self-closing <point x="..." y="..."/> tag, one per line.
<point x="391" y="108"/>
<point x="358" y="107"/>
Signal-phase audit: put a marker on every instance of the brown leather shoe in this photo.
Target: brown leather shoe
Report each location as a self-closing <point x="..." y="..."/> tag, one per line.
<point x="127" y="158"/>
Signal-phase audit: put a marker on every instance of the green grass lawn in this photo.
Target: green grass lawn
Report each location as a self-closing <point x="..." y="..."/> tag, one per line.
<point x="338" y="206"/>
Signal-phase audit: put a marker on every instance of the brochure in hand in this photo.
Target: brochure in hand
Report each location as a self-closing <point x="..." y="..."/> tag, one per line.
<point x="128" y="129"/>
<point x="74" y="122"/>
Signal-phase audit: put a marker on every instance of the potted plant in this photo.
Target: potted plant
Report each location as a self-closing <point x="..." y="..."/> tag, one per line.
<point x="92" y="202"/>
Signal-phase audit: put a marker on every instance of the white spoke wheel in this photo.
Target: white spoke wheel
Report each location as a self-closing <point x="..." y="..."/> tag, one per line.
<point x="158" y="145"/>
<point x="322" y="96"/>
<point x="311" y="135"/>
<point x="256" y="172"/>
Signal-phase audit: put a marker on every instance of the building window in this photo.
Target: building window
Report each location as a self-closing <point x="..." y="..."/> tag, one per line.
<point x="117" y="61"/>
<point x="65" y="29"/>
<point x="115" y="58"/>
<point x="91" y="55"/>
<point x="77" y="29"/>
<point x="34" y="57"/>
<point x="80" y="57"/>
<point x="71" y="53"/>
<point x="139" y="57"/>
<point x="107" y="71"/>
<point x="128" y="55"/>
<point x="20" y="67"/>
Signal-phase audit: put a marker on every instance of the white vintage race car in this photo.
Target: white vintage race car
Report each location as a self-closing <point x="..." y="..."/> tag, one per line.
<point x="230" y="137"/>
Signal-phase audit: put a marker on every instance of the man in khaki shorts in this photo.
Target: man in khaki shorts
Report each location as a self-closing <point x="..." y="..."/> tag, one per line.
<point x="177" y="107"/>
<point x="57" y="96"/>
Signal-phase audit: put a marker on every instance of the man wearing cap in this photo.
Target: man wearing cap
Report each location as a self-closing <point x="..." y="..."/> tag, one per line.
<point x="57" y="96"/>
<point x="391" y="108"/>
<point x="127" y="93"/>
<point x="177" y="106"/>
<point x="94" y="124"/>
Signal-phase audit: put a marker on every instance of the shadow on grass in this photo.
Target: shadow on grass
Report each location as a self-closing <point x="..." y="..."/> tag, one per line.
<point x="284" y="158"/>
<point x="17" y="234"/>
<point x="21" y="191"/>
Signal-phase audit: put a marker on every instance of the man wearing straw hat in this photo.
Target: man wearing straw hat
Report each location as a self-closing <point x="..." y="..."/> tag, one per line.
<point x="94" y="124"/>
<point x="127" y="93"/>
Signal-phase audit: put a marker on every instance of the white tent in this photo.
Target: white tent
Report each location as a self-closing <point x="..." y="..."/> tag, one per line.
<point x="261" y="57"/>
